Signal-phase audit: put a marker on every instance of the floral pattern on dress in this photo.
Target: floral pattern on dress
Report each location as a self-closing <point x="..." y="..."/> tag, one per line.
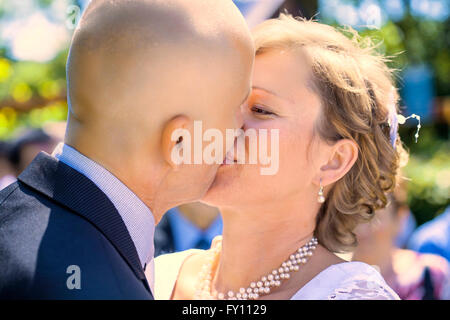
<point x="362" y="290"/>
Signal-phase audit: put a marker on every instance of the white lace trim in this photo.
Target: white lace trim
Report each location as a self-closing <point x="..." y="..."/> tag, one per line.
<point x="362" y="290"/>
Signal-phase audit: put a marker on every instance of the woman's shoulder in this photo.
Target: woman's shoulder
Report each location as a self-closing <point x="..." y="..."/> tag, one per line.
<point x="167" y="269"/>
<point x="347" y="281"/>
<point x="175" y="256"/>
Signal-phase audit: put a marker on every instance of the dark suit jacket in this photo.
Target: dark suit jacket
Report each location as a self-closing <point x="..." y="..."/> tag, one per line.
<point x="54" y="220"/>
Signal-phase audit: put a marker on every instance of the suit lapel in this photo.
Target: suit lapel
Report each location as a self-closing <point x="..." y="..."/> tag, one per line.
<point x="73" y="190"/>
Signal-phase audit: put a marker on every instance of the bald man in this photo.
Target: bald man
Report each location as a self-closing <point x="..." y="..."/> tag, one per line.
<point x="79" y="224"/>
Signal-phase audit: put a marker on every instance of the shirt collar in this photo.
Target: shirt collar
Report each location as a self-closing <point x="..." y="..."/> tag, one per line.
<point x="135" y="214"/>
<point x="186" y="235"/>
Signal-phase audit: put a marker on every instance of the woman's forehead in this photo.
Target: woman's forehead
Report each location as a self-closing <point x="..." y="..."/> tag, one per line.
<point x="282" y="72"/>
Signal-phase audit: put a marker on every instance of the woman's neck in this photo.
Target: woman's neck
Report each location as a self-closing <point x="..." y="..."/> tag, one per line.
<point x="258" y="240"/>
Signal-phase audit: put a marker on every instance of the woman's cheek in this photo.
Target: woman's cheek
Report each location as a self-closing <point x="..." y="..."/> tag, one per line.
<point x="292" y="146"/>
<point x="295" y="169"/>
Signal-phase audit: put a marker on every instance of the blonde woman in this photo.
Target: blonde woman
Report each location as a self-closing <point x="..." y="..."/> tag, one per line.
<point x="329" y="97"/>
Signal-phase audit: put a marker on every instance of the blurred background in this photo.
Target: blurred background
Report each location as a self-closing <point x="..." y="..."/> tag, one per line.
<point x="34" y="40"/>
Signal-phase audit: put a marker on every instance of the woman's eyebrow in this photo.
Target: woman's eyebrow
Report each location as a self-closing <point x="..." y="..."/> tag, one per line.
<point x="272" y="93"/>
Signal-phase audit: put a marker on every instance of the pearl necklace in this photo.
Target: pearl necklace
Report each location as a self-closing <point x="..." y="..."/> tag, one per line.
<point x="255" y="289"/>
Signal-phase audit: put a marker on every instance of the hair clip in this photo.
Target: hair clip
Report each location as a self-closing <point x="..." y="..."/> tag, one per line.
<point x="402" y="120"/>
<point x="396" y="119"/>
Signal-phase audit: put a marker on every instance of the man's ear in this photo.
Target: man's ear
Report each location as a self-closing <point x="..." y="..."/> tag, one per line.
<point x="343" y="156"/>
<point x="176" y="140"/>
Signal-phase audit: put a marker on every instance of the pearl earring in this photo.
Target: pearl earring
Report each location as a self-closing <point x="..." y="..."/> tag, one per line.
<point x="321" y="198"/>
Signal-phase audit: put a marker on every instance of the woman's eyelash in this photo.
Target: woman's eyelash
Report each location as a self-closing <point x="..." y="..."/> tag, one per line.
<point x="258" y="110"/>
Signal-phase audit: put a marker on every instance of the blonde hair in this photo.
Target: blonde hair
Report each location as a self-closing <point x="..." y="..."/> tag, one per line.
<point x="354" y="84"/>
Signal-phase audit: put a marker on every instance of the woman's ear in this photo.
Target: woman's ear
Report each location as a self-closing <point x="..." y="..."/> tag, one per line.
<point x="176" y="141"/>
<point x="343" y="156"/>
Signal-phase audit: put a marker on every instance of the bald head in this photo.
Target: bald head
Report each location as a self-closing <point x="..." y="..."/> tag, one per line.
<point x="124" y="47"/>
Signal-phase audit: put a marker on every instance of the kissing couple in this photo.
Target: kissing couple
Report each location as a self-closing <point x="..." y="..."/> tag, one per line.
<point x="79" y="224"/>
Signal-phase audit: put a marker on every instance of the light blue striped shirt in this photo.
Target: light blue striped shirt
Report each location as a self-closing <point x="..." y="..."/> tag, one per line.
<point x="135" y="214"/>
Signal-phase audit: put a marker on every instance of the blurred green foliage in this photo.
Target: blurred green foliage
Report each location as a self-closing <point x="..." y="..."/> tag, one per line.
<point x="413" y="41"/>
<point x="31" y="93"/>
<point x="427" y="172"/>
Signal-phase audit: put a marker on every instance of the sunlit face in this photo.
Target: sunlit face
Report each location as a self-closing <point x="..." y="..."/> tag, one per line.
<point x="280" y="99"/>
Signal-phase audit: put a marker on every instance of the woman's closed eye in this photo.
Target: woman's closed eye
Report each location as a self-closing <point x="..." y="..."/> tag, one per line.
<point x="259" y="110"/>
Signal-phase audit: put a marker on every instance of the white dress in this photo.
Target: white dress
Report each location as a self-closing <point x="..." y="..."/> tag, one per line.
<point x="342" y="281"/>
